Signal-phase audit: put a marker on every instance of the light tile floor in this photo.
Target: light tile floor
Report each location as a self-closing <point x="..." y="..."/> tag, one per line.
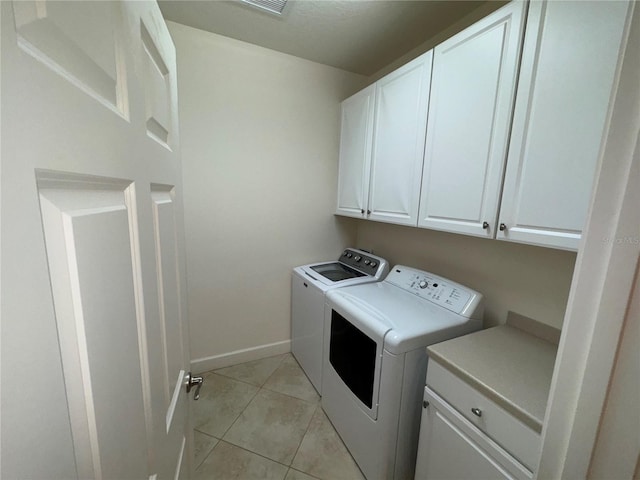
<point x="263" y="420"/>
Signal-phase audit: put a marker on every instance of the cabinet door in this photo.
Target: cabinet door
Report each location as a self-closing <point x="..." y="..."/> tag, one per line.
<point x="472" y="94"/>
<point x="450" y="448"/>
<point x="355" y="153"/>
<point x="568" y="73"/>
<point x="398" y="141"/>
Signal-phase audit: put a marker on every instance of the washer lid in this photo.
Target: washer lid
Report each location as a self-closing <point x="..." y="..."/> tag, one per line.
<point x="404" y="320"/>
<point x="336" y="271"/>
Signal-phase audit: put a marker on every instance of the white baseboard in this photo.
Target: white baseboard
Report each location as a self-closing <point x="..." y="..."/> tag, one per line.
<point x="200" y="365"/>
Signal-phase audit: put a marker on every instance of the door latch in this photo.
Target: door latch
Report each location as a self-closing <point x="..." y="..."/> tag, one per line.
<point x="194" y="382"/>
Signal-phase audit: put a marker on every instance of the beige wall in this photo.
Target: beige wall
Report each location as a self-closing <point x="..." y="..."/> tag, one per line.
<point x="531" y="281"/>
<point x="260" y="133"/>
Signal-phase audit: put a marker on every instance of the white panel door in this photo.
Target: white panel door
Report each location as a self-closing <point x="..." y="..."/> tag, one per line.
<point x="93" y="314"/>
<point x="402" y="99"/>
<point x="472" y="94"/>
<point x="568" y="72"/>
<point x="356" y="133"/>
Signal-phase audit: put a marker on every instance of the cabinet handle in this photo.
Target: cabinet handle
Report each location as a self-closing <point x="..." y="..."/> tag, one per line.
<point x="477" y="412"/>
<point x="362" y="211"/>
<point x="368" y="212"/>
<point x="305" y="285"/>
<point x="503" y="227"/>
<point x="485" y="225"/>
<point x="425" y="404"/>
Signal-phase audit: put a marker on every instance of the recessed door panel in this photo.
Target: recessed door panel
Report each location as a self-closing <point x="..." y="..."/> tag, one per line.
<point x="355" y="152"/>
<point x="168" y="296"/>
<point x="78" y="43"/>
<point x="398" y="142"/>
<point x="466" y="103"/>
<point x="88" y="233"/>
<point x="473" y="89"/>
<point x="157" y="85"/>
<point x="568" y="72"/>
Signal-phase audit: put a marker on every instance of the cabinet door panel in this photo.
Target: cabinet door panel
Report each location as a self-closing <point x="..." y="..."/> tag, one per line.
<point x="452" y="455"/>
<point x="355" y="153"/>
<point x="398" y="142"/>
<point x="568" y="73"/>
<point x="473" y="87"/>
<point x="451" y="448"/>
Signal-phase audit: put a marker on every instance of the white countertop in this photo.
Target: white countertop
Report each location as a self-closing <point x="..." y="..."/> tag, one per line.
<point x="510" y="366"/>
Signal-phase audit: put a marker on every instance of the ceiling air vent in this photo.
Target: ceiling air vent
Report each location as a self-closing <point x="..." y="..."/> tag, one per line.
<point x="273" y="6"/>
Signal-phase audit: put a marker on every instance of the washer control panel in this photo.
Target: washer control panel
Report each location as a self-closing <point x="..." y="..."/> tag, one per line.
<point x="438" y="290"/>
<point x="363" y="261"/>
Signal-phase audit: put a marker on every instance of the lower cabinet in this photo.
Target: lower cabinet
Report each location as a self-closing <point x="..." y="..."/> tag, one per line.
<point x="452" y="448"/>
<point x="464" y="434"/>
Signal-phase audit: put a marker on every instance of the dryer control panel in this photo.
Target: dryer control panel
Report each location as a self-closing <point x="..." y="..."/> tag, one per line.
<point x="438" y="290"/>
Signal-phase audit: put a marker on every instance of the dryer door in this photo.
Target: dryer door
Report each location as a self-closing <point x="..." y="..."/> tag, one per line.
<point x="356" y="358"/>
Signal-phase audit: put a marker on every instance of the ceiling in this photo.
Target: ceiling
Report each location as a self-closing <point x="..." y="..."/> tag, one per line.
<point x="360" y="36"/>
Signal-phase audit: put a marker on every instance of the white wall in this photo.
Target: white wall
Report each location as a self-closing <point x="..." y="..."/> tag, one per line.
<point x="531" y="281"/>
<point x="260" y="134"/>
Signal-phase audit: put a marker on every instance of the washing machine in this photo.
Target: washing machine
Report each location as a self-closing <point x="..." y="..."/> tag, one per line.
<point x="308" y="288"/>
<point x="375" y="361"/>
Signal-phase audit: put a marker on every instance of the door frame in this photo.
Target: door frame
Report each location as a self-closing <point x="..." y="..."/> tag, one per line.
<point x="609" y="254"/>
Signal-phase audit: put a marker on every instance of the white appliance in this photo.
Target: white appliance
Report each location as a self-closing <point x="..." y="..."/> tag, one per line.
<point x="375" y="361"/>
<point x="308" y="287"/>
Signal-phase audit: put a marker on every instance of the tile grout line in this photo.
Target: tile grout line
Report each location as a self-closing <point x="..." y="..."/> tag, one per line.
<point x="275" y="370"/>
<point x="196" y="467"/>
<point x="249" y="402"/>
<point x="303" y="437"/>
<point x="257" y="454"/>
<point x="240" y="414"/>
<point x="216" y="371"/>
<point x="261" y="388"/>
<point x="305" y="473"/>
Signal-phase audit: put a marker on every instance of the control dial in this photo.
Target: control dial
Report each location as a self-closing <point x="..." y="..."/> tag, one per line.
<point x="423" y="284"/>
<point x="349" y="255"/>
<point x="357" y="258"/>
<point x="367" y="261"/>
<point x="374" y="264"/>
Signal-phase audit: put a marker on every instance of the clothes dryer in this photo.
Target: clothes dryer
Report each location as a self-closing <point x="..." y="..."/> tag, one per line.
<point x="375" y="361"/>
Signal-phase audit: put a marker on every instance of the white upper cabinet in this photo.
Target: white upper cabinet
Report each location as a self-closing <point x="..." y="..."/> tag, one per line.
<point x="402" y="99"/>
<point x="502" y="138"/>
<point x="355" y="153"/>
<point x="472" y="94"/>
<point x="382" y="144"/>
<point x="568" y="74"/>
